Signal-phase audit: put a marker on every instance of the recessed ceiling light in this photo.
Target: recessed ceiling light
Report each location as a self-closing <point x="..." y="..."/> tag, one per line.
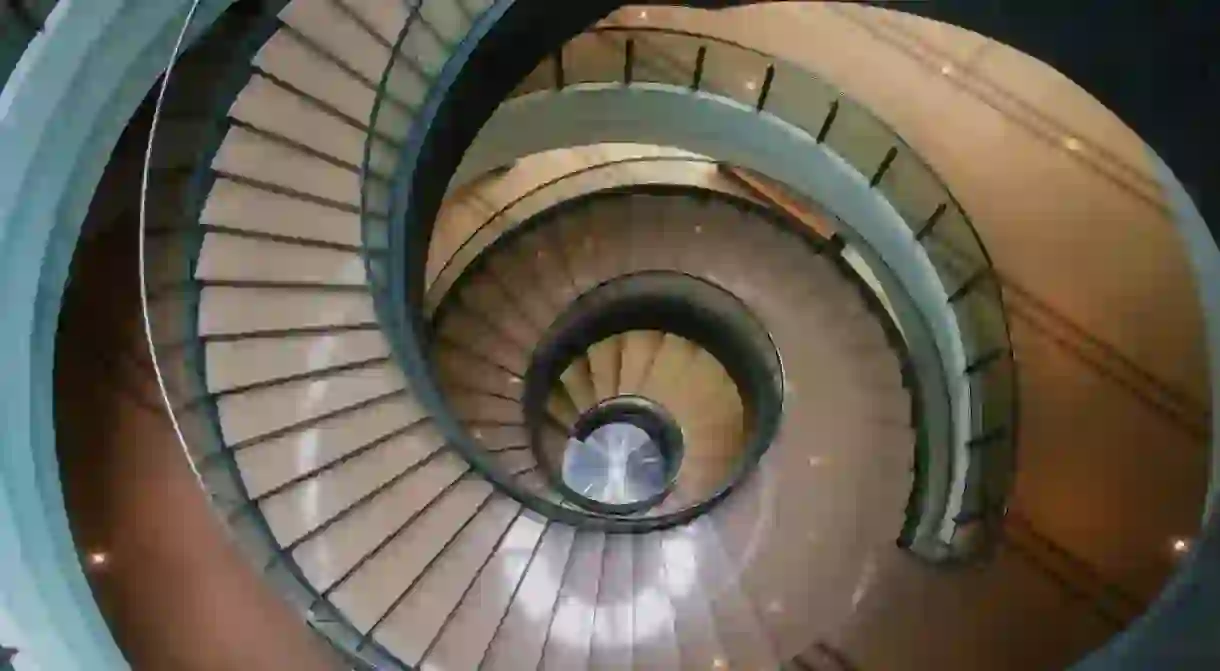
<point x="1072" y="144"/>
<point x="98" y="558"/>
<point x="751" y="85"/>
<point x="946" y="69"/>
<point x="1180" y="546"/>
<point x="643" y="14"/>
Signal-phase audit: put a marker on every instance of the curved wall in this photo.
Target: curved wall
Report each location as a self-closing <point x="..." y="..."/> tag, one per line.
<point x="61" y="114"/>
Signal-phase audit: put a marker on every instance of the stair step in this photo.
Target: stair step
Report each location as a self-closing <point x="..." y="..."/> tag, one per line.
<point x="460" y="370"/>
<point x="252" y="155"/>
<point x="409" y="631"/>
<point x="265" y="104"/>
<point x="462" y="327"/>
<point x="740" y="630"/>
<point x="482" y="294"/>
<point x="639" y="348"/>
<point x="655" y="644"/>
<point x="293" y="513"/>
<point x="236" y="205"/>
<point x="246" y="310"/>
<point x="577" y="379"/>
<point x="233" y="258"/>
<point x="249" y="414"/>
<point x="613" y="632"/>
<point x="695" y="629"/>
<point x="374" y="590"/>
<point x="271" y="463"/>
<point x="303" y="68"/>
<point x="665" y="379"/>
<point x="333" y="31"/>
<point x="605" y="358"/>
<point x="351" y="554"/>
<point x="522" y="634"/>
<point x="571" y="629"/>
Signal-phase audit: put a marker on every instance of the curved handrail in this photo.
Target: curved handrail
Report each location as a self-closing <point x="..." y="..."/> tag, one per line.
<point x="956" y="251"/>
<point x="924" y="202"/>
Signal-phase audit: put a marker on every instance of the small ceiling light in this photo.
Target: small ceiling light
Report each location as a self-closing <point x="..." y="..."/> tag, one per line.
<point x="814" y="462"/>
<point x="1180" y="546"/>
<point x="719" y="663"/>
<point x="946" y="69"/>
<point x="98" y="558"/>
<point x="643" y="14"/>
<point x="751" y="84"/>
<point x="1072" y="144"/>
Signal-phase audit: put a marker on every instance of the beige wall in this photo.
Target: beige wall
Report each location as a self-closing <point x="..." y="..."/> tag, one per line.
<point x="176" y="594"/>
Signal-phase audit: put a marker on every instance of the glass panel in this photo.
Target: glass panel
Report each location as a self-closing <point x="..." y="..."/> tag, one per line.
<point x="799" y="98"/>
<point x="665" y="58"/>
<point x="734" y="72"/>
<point x="859" y="137"/>
<point x="913" y="189"/>
<point x="594" y="57"/>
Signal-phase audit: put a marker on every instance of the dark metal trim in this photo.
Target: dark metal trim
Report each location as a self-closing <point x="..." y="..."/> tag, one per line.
<point x="973" y="281"/>
<point x="985" y="360"/>
<point x="932" y="220"/>
<point x="700" y="58"/>
<point x="768" y="79"/>
<point x="828" y="121"/>
<point x="884" y="167"/>
<point x="629" y="61"/>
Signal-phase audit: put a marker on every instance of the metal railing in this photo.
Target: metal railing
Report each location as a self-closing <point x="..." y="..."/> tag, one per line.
<point x="697" y="63"/>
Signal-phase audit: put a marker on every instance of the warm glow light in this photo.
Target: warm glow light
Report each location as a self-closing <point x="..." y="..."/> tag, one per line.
<point x="643" y="14"/>
<point x="1072" y="144"/>
<point x="946" y="69"/>
<point x="1181" y="545"/>
<point x="751" y="85"/>
<point x="98" y="558"/>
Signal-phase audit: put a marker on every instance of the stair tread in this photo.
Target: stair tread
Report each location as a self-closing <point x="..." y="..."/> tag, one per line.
<point x="468" y="635"/>
<point x="571" y="629"/>
<point x="243" y="310"/>
<point x="370" y="593"/>
<point x="270" y="463"/>
<point x="408" y="632"/>
<point x="301" y="509"/>
<point x="613" y="632"/>
<point x="520" y="637"/>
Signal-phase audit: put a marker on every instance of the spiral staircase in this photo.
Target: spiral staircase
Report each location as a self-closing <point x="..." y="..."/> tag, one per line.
<point x="638" y="415"/>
